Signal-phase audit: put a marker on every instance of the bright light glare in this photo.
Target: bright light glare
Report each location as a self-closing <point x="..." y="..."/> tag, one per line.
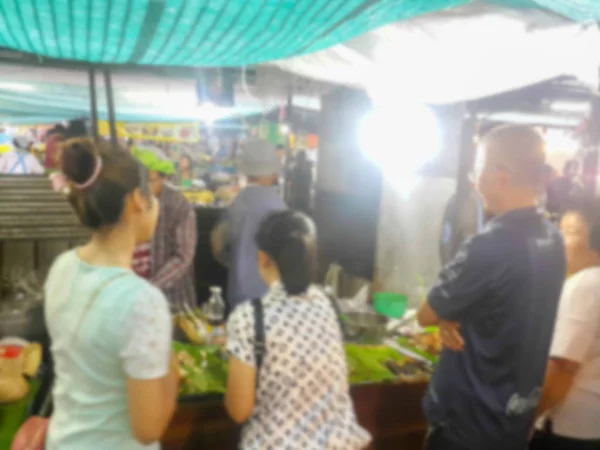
<point x="18" y="87"/>
<point x="208" y="113"/>
<point x="400" y="141"/>
<point x="284" y="129"/>
<point x="558" y="141"/>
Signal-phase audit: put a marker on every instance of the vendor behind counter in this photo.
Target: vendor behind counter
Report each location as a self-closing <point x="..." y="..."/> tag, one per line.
<point x="168" y="261"/>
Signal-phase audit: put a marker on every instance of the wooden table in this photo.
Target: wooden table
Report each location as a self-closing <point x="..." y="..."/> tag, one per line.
<point x="392" y="413"/>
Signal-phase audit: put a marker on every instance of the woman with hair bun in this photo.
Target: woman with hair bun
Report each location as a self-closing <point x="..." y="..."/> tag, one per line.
<point x="116" y="380"/>
<point x="288" y="379"/>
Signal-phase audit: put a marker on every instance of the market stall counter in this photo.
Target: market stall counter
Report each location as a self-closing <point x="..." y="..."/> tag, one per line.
<point x="390" y="409"/>
<point x="390" y="412"/>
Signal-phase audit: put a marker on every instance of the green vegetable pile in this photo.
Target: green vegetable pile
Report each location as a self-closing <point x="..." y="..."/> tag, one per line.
<point x="367" y="363"/>
<point x="202" y="368"/>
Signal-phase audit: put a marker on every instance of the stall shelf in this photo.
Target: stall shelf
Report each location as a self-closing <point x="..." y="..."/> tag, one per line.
<point x="32" y="210"/>
<point x="36" y="225"/>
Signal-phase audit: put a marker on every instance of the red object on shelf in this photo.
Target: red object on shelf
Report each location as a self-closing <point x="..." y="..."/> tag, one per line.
<point x="312" y="141"/>
<point x="10" y="351"/>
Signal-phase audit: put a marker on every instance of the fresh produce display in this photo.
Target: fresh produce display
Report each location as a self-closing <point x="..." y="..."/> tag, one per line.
<point x="197" y="330"/>
<point x="411" y="372"/>
<point x="370" y="363"/>
<point x="427" y="344"/>
<point x="200" y="197"/>
<point x="203" y="369"/>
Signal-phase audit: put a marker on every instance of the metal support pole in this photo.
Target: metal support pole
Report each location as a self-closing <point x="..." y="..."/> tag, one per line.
<point x="93" y="102"/>
<point x="111" y="107"/>
<point x="288" y="149"/>
<point x="466" y="157"/>
<point x="452" y="233"/>
<point x="591" y="146"/>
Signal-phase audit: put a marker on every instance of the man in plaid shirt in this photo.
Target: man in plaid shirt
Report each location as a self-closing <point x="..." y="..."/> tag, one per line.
<point x="169" y="261"/>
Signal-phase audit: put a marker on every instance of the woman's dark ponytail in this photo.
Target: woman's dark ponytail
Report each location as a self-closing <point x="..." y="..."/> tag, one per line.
<point x="295" y="266"/>
<point x="289" y="238"/>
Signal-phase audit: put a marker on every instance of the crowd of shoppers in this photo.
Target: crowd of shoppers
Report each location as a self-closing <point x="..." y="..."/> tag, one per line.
<point x="517" y="351"/>
<point x="116" y="380"/>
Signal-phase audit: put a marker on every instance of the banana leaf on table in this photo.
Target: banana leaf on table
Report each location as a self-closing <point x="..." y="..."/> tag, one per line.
<point x="369" y="363"/>
<point x="203" y="368"/>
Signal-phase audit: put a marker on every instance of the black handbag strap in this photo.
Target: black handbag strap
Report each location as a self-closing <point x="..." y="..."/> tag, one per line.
<point x="338" y="314"/>
<point x="93" y="299"/>
<point x="47" y="405"/>
<point x="260" y="345"/>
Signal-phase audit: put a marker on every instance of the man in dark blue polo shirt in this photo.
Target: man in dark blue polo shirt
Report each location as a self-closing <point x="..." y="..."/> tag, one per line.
<point x="496" y="305"/>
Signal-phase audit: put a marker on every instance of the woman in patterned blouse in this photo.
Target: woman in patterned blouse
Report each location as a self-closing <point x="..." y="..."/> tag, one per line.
<point x="299" y="399"/>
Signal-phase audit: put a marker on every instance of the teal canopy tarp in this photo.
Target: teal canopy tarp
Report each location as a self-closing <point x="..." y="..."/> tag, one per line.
<point x="213" y="32"/>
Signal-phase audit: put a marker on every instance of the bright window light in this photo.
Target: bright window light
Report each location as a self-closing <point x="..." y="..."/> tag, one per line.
<point x="400" y="141"/>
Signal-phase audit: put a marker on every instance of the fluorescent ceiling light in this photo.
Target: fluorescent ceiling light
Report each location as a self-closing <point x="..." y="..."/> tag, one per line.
<point x="570" y="107"/>
<point x="307" y="102"/>
<point x="163" y="99"/>
<point x="536" y="119"/>
<point x="18" y="87"/>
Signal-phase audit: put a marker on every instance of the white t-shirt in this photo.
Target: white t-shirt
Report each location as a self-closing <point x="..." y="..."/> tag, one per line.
<point x="577" y="338"/>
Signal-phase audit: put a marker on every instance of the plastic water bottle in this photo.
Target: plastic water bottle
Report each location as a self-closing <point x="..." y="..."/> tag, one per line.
<point x="214" y="309"/>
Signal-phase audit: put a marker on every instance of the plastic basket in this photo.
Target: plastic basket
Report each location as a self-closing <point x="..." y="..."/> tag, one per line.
<point x="390" y="304"/>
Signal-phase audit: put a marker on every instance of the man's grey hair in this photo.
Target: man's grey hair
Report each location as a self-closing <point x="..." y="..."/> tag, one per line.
<point x="519" y="149"/>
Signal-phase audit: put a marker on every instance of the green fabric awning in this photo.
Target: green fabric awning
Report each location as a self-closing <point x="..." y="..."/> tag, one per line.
<point x="213" y="32"/>
<point x="192" y="32"/>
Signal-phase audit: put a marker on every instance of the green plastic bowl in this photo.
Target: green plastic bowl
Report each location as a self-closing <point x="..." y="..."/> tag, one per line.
<point x="390" y="304"/>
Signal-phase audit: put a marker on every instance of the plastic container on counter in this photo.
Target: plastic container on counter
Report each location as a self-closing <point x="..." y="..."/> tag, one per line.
<point x="390" y="304"/>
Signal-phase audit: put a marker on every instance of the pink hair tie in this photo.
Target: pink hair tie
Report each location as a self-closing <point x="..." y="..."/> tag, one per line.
<point x="92" y="179"/>
<point x="60" y="183"/>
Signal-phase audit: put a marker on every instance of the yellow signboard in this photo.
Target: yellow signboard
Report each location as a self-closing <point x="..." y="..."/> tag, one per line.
<point x="157" y="132"/>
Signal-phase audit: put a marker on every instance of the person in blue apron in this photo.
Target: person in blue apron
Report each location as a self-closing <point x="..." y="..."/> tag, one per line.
<point x="20" y="161"/>
<point x="233" y="239"/>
